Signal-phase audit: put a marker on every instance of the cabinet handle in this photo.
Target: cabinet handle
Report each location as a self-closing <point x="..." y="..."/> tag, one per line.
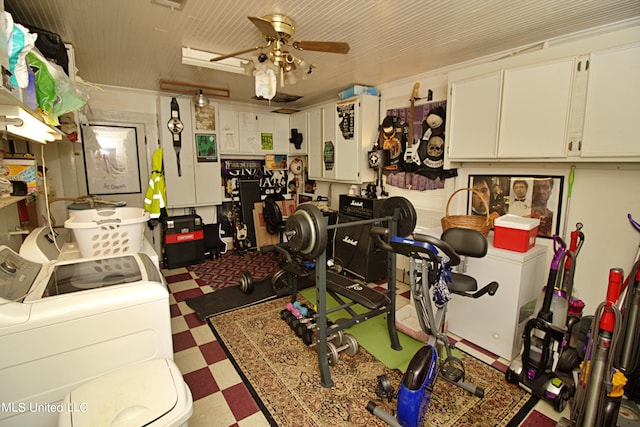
<point x="579" y="66"/>
<point x="570" y="145"/>
<point x="579" y="145"/>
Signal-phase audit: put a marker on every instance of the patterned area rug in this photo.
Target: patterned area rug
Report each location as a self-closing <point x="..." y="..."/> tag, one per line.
<point x="226" y="270"/>
<point x="284" y="374"/>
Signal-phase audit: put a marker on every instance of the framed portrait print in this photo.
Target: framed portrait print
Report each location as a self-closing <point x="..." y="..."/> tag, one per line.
<point x="111" y="159"/>
<point x="531" y="196"/>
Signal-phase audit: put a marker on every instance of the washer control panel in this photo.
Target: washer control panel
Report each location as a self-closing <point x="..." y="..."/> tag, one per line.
<point x="16" y="275"/>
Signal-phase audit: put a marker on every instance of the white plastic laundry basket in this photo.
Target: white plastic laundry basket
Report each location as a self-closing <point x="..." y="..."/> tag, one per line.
<point x="108" y="231"/>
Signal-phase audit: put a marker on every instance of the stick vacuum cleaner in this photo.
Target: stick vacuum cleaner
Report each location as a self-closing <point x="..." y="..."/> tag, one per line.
<point x="543" y="342"/>
<point x="600" y="386"/>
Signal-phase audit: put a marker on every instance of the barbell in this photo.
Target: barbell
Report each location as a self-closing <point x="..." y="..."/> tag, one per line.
<point x="306" y="229"/>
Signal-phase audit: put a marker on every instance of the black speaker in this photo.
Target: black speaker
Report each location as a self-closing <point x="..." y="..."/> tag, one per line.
<point x="356" y="252"/>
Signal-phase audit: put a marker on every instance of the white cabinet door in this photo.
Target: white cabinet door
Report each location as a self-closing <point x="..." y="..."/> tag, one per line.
<point x="298" y="121"/>
<point x="611" y="118"/>
<point x="347" y="139"/>
<point x="281" y="132"/>
<point x="473" y="118"/>
<point x="314" y="138"/>
<point x="199" y="183"/>
<point x="229" y="142"/>
<point x="180" y="188"/>
<point x="329" y="151"/>
<point x="535" y="110"/>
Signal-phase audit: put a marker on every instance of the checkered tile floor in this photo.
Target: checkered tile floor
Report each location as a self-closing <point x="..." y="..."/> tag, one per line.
<point x="220" y="398"/>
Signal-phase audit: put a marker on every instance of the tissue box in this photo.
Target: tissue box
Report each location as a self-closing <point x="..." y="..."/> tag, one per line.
<point x="357" y="90"/>
<point x="515" y="233"/>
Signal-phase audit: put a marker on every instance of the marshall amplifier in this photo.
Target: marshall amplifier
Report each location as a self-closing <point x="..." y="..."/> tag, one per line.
<point x="356" y="252"/>
<point x="361" y="207"/>
<point x="183" y="240"/>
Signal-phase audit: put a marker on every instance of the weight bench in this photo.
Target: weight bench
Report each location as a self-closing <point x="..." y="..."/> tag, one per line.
<point x="306" y="232"/>
<point x="356" y="291"/>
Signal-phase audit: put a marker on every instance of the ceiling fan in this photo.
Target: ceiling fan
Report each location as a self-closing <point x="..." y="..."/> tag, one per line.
<point x="278" y="32"/>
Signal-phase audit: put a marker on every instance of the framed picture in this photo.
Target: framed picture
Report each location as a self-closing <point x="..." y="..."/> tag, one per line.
<point x="532" y="196"/>
<point x="111" y="159"/>
<point x="207" y="147"/>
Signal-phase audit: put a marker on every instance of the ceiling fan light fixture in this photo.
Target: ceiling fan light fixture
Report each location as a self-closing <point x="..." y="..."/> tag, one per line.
<point x="249" y="67"/>
<point x="303" y="65"/>
<point x="199" y="100"/>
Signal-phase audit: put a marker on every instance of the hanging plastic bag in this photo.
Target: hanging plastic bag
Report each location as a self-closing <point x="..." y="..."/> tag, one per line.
<point x="55" y="92"/>
<point x="19" y="42"/>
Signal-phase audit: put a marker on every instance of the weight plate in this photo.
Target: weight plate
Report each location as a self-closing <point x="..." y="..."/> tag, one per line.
<point x="408" y="217"/>
<point x="332" y="354"/>
<point x="351" y="343"/>
<point x="279" y="281"/>
<point x="298" y="231"/>
<point x="337" y="339"/>
<point x="306" y="231"/>
<point x="246" y="282"/>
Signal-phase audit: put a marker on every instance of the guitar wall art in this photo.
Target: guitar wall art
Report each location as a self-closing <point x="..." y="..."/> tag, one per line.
<point x="420" y="165"/>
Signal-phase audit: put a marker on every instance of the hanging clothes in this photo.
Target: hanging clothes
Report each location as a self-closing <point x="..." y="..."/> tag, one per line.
<point x="156" y="196"/>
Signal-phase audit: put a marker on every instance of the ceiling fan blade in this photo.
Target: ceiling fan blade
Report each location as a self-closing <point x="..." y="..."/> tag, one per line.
<point x="330" y="47"/>
<point x="266" y="27"/>
<point x="232" y="54"/>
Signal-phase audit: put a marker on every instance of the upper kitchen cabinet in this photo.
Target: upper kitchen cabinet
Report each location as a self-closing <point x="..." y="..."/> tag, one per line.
<point x="245" y="132"/>
<point x="569" y="102"/>
<point x="298" y="126"/>
<point x="474" y="117"/>
<point x="513" y="113"/>
<point x="611" y="125"/>
<point x="348" y="130"/>
<point x="535" y="110"/>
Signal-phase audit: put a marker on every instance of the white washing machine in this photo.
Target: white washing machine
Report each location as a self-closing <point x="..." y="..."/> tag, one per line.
<point x="66" y="322"/>
<point x="150" y="394"/>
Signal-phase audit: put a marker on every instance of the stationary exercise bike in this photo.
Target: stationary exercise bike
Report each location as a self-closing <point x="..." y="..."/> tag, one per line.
<point x="432" y="278"/>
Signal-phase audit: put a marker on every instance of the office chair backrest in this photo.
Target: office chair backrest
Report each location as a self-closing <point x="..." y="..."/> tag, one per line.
<point x="272" y="216"/>
<point x="466" y="242"/>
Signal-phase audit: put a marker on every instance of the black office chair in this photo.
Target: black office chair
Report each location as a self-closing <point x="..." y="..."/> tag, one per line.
<point x="273" y="217"/>
<point x="467" y="242"/>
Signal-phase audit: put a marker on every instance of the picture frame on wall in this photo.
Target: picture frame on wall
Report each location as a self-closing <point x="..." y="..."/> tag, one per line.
<point x="111" y="159"/>
<point x="530" y="196"/>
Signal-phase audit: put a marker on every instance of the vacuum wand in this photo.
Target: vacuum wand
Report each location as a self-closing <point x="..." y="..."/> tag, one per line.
<point x="600" y="358"/>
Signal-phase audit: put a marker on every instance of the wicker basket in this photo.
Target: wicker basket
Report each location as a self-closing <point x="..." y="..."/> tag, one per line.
<point x="475" y="222"/>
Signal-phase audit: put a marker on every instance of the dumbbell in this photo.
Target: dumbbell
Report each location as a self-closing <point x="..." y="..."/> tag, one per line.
<point x="295" y="313"/>
<point x="348" y="344"/>
<point x="308" y="333"/>
<point x="245" y="283"/>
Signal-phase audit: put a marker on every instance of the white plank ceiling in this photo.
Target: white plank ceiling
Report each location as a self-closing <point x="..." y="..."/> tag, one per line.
<point x="134" y="43"/>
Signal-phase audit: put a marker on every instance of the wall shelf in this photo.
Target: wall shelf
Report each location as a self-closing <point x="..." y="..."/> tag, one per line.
<point x="7" y="201"/>
<point x="11" y="106"/>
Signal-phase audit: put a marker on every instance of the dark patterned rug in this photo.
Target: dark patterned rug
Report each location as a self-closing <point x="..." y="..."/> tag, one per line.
<point x="224" y="271"/>
<point x="284" y="375"/>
